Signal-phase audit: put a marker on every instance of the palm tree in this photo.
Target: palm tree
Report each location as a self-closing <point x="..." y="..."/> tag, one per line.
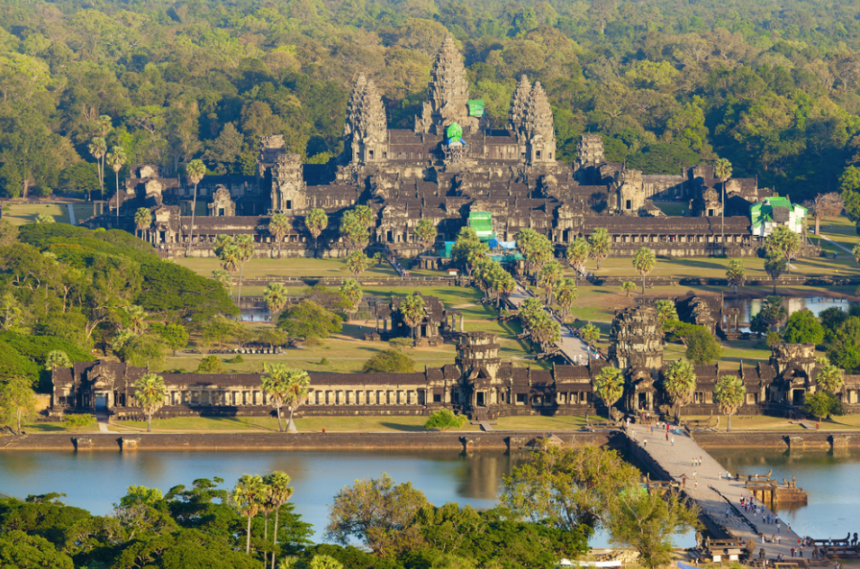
<point x="357" y="262"/>
<point x="548" y="278"/>
<point x="275" y="297"/>
<point x="275" y="383"/>
<point x="413" y="311"/>
<point x="589" y="334"/>
<point x="628" y="287"/>
<point x="195" y="169"/>
<point x="729" y="393"/>
<point x="735" y="274"/>
<point x="298" y="382"/>
<point x="244" y="251"/>
<point x="280" y="493"/>
<point x="425" y="231"/>
<point x="856" y="252"/>
<point x="601" y="243"/>
<point x="316" y="221"/>
<point x="577" y="254"/>
<point x="117" y="160"/>
<point x="98" y="148"/>
<point x="723" y="171"/>
<point x="783" y="242"/>
<point x="247" y="498"/>
<point x="644" y="262"/>
<point x="142" y="219"/>
<point x="279" y="226"/>
<point x="679" y="383"/>
<point x="150" y="394"/>
<point x="829" y="377"/>
<point x="609" y="386"/>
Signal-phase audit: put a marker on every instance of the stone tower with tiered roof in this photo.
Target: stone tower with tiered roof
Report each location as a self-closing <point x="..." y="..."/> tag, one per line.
<point x="365" y="129"/>
<point x="538" y="128"/>
<point x="449" y="94"/>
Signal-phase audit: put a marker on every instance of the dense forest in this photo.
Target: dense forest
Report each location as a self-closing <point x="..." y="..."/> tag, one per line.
<point x="772" y="86"/>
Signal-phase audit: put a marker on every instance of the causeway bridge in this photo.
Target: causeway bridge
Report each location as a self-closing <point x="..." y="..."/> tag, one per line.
<point x="714" y="494"/>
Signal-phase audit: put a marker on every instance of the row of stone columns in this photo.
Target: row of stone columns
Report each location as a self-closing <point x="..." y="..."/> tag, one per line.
<point x="364" y="397"/>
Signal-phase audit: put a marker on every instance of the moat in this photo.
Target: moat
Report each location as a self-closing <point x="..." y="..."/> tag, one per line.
<point x="96" y="480"/>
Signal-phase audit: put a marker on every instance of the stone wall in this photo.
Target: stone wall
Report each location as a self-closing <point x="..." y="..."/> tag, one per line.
<point x="302" y="441"/>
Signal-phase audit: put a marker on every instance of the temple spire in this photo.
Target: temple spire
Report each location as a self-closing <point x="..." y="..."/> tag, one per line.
<point x="518" y="105"/>
<point x="365" y="126"/>
<point x="449" y="94"/>
<point x="538" y="127"/>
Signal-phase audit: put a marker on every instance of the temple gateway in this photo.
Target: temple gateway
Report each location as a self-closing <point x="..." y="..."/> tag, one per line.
<point x="449" y="165"/>
<point x="477" y="384"/>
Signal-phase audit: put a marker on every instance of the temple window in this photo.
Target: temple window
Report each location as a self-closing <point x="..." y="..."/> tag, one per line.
<point x="289" y="204"/>
<point x="370" y="153"/>
<point x="521" y="398"/>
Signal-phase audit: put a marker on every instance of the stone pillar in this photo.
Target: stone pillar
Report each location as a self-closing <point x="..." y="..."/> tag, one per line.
<point x="462" y="325"/>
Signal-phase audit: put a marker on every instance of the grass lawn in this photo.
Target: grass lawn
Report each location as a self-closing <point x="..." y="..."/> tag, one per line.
<point x="19" y="214"/>
<point x="287" y="268"/>
<point x="673" y="207"/>
<point x="348" y="424"/>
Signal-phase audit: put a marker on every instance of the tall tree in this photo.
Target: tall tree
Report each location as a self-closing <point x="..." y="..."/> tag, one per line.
<point x="98" y="148"/>
<point x="566" y="295"/>
<point x="247" y="498"/>
<point x="279" y="226"/>
<point x="679" y="383"/>
<point x="17" y="401"/>
<point x="413" y="311"/>
<point x="195" y="170"/>
<point x="577" y="254"/>
<point x="736" y="274"/>
<point x="829" y="378"/>
<point x="783" y="243"/>
<point x="644" y="262"/>
<point x="244" y="251"/>
<point x="275" y="382"/>
<point x="150" y="393"/>
<point x="357" y="262"/>
<point x="298" y="382"/>
<point x="723" y="171"/>
<point x="824" y="204"/>
<point x="609" y="386"/>
<point x="425" y="231"/>
<point x="316" y="221"/>
<point x="142" y="219"/>
<point x="590" y="334"/>
<point x="279" y="493"/>
<point x="729" y="393"/>
<point x="117" y="160"/>
<point x="275" y="296"/>
<point x="548" y="278"/>
<point x="350" y="290"/>
<point x="774" y="267"/>
<point x="601" y="245"/>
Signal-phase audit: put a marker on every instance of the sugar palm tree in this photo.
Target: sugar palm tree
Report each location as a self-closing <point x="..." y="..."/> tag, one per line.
<point x="195" y="169"/>
<point x="150" y="393"/>
<point x="276" y="384"/>
<point x="244" y="251"/>
<point x="357" y="262"/>
<point x="548" y="278"/>
<point x="609" y="386"/>
<point x="275" y="297"/>
<point x="723" y="171"/>
<point x="679" y="383"/>
<point x="247" y="498"/>
<point x="729" y="393"/>
<point x="425" y="231"/>
<point x="601" y="244"/>
<point x="644" y="262"/>
<point x="316" y="221"/>
<point x="279" y="226"/>
<point x="351" y="292"/>
<point x="142" y="219"/>
<point x="298" y="382"/>
<point x="98" y="148"/>
<point x="117" y="160"/>
<point x="413" y="311"/>
<point x="577" y="254"/>
<point x="280" y="493"/>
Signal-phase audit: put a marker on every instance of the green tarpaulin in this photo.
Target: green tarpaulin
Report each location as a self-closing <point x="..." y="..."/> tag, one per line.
<point x="482" y="223"/>
<point x="454" y="131"/>
<point x="476" y="108"/>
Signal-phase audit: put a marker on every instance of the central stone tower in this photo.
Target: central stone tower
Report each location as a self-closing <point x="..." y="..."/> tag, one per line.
<point x="449" y="94"/>
<point x="636" y="340"/>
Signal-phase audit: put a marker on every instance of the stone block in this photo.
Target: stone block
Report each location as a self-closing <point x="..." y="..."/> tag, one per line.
<point x="83" y="443"/>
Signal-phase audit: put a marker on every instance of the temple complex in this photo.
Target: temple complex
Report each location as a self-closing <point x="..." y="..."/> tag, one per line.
<point x="451" y="164"/>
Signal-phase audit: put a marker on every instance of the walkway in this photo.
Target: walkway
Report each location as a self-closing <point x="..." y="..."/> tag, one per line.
<point x="573" y="347"/>
<point x="835" y="244"/>
<point x="104" y="422"/>
<point x="71" y="214"/>
<point x="714" y="493"/>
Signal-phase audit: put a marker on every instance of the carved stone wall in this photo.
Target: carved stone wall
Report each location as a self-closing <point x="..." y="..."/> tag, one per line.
<point x="636" y="339"/>
<point x="222" y="204"/>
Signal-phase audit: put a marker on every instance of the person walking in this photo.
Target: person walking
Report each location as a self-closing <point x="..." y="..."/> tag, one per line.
<point x="644" y="443"/>
<point x="673" y="441"/>
<point x="667" y="435"/>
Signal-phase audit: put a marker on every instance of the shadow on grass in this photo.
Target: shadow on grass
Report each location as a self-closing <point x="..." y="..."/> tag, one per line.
<point x="45" y="428"/>
<point x="405" y="428"/>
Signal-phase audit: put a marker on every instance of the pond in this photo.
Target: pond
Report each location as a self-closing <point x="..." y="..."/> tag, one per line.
<point x="749" y="307"/>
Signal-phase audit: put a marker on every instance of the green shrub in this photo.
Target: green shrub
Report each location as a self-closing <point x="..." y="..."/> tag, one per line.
<point x="74" y="421"/>
<point x="389" y="361"/>
<point x="210" y="364"/>
<point x="236" y="360"/>
<point x="444" y="419"/>
<point x="324" y="362"/>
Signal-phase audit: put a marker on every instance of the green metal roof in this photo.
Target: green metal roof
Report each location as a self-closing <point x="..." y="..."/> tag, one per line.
<point x="454" y="130"/>
<point x="476" y="108"/>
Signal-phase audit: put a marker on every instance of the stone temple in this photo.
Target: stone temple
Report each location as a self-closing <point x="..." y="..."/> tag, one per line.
<point x="450" y="164"/>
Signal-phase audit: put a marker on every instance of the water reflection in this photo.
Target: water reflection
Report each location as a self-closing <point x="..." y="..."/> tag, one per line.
<point x="749" y="307"/>
<point x="833" y="508"/>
